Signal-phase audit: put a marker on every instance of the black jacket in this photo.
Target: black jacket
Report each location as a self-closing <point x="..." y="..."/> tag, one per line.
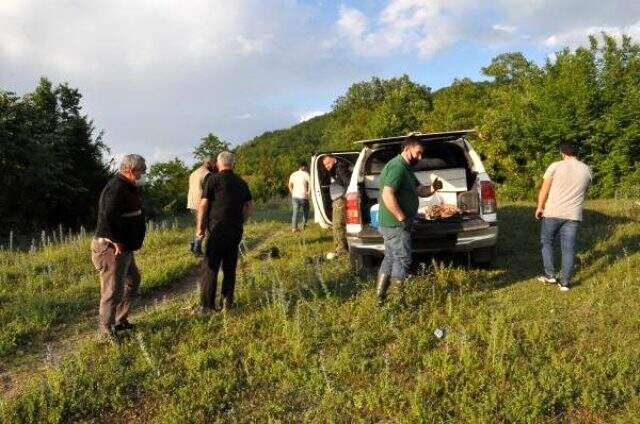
<point x="341" y="173"/>
<point x="227" y="193"/>
<point x="120" y="214"/>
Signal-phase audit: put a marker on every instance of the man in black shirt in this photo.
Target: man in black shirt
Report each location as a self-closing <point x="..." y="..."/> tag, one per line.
<point x="119" y="232"/>
<point x="340" y="175"/>
<point x="225" y="205"/>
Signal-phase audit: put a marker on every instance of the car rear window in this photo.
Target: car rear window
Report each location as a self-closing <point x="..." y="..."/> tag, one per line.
<point x="436" y="156"/>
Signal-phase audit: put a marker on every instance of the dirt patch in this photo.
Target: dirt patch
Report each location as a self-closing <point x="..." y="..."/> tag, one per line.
<point x="32" y="365"/>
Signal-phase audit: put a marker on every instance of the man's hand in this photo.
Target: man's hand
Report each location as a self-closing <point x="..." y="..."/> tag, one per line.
<point x="202" y="211"/>
<point x="436" y="185"/>
<point x="247" y="210"/>
<point x="118" y="248"/>
<point x="542" y="197"/>
<point x="405" y="223"/>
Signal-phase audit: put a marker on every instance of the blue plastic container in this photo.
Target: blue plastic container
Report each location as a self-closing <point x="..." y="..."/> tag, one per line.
<point x="373" y="213"/>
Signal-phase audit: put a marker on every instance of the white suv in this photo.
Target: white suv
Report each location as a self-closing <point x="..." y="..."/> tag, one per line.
<point x="448" y="156"/>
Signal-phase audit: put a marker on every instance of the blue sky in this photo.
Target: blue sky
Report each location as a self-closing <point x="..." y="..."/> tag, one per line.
<point x="157" y="75"/>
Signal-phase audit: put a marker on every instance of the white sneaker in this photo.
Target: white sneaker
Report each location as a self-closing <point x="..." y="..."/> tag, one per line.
<point x="331" y="255"/>
<point x="563" y="288"/>
<point x="549" y="280"/>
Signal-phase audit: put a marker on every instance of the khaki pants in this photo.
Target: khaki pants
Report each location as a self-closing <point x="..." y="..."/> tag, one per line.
<point x="338" y="223"/>
<point x="119" y="282"/>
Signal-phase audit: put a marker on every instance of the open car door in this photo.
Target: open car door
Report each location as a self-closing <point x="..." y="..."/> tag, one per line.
<point x="320" y="181"/>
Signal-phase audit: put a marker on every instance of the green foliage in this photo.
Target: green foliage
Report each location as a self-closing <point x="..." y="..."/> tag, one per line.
<point x="589" y="95"/>
<point x="58" y="284"/>
<point x="52" y="162"/>
<point x="210" y="145"/>
<point x="377" y="108"/>
<point x="309" y="344"/>
<point x="368" y="109"/>
<point x="510" y="68"/>
<point x="267" y="161"/>
<point x="167" y="188"/>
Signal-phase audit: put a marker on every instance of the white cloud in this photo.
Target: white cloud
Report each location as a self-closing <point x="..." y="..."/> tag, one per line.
<point x="509" y="29"/>
<point x="158" y="75"/>
<point x="309" y="115"/>
<point x="428" y="27"/>
<point x="424" y="26"/>
<point x="580" y="36"/>
<point x="250" y="46"/>
<point x="567" y="23"/>
<point x="352" y="23"/>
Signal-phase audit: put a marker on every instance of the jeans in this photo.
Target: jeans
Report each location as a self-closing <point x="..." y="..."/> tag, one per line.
<point x="568" y="230"/>
<point x="397" y="252"/>
<point x="299" y="205"/>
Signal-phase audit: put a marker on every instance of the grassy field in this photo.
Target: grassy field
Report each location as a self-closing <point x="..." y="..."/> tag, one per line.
<point x="308" y="343"/>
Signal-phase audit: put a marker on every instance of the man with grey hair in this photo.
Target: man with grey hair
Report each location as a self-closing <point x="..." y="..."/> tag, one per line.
<point x="226" y="203"/>
<point x="120" y="231"/>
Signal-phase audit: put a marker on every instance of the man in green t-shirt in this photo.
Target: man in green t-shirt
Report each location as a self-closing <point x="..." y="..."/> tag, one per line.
<point x="399" y="190"/>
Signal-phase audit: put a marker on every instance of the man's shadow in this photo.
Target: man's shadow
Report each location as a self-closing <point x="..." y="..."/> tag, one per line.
<point x="518" y="252"/>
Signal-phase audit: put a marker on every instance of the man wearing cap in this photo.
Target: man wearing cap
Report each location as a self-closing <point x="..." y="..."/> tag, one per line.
<point x="119" y="232"/>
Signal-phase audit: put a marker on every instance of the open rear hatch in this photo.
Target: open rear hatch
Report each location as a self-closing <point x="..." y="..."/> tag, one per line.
<point x="445" y="158"/>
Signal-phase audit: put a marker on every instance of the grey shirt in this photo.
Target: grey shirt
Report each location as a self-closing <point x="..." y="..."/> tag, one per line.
<point x="570" y="179"/>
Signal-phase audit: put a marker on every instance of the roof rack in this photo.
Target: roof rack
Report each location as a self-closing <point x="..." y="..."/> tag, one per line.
<point x="448" y="135"/>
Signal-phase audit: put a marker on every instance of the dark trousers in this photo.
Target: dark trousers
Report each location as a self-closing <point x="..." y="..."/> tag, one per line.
<point x="221" y="251"/>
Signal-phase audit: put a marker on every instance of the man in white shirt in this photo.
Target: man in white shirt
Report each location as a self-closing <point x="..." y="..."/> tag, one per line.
<point x="299" y="188"/>
<point x="560" y="204"/>
<point x="196" y="180"/>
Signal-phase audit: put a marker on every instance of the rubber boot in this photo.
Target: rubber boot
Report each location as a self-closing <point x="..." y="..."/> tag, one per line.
<point x="397" y="286"/>
<point x="382" y="284"/>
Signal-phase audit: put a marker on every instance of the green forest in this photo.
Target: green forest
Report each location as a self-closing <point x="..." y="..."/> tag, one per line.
<point x="54" y="161"/>
<point x="521" y="114"/>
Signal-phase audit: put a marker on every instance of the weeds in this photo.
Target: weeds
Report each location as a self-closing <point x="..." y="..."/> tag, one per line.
<point x="308" y="343"/>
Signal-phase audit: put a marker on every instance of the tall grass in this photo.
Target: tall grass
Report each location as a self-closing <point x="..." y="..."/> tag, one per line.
<point x="55" y="283"/>
<point x="308" y="343"/>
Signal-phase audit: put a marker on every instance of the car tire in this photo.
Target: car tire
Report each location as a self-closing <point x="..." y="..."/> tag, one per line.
<point x="483" y="257"/>
<point x="362" y="264"/>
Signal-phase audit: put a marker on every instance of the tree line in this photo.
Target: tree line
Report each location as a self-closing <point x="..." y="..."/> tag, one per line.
<point x="522" y="112"/>
<point x="51" y="158"/>
<point x="54" y="162"/>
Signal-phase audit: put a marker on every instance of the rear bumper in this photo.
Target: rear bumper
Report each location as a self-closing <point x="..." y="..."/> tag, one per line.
<point x="466" y="238"/>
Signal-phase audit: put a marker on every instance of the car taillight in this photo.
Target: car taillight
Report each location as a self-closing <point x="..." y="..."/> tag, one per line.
<point x="488" y="197"/>
<point x="352" y="208"/>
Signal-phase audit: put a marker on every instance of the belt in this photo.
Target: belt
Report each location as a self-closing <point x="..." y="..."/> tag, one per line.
<point x="132" y="214"/>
